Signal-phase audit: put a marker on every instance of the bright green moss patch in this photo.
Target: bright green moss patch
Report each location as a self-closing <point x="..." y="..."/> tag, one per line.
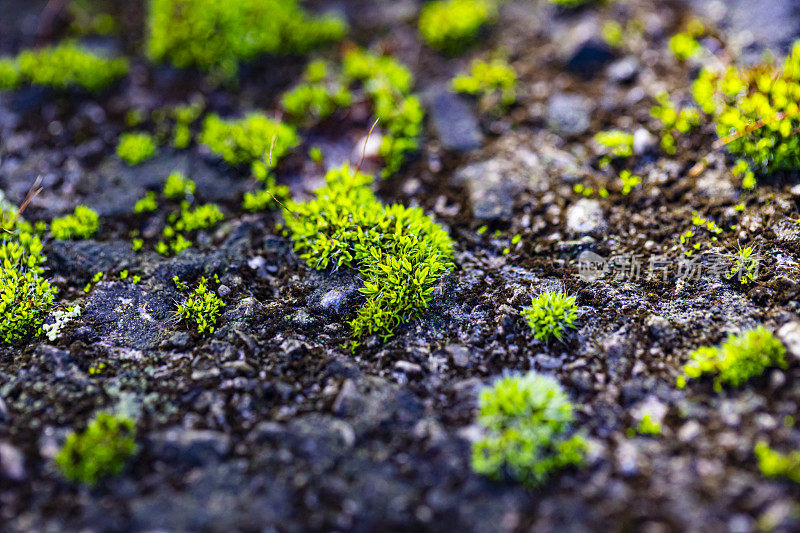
<point x="81" y="224"/>
<point x="399" y="251"/>
<point x="25" y="296"/>
<point x="648" y="425"/>
<point x="388" y="83"/>
<point x="177" y="186"/>
<point x="774" y="464"/>
<point x="264" y="199"/>
<point x="615" y="143"/>
<point x="201" y="308"/>
<point x="550" y="314"/>
<point x="737" y="360"/>
<point x="320" y="94"/>
<point x="744" y="265"/>
<point x="248" y="141"/>
<point x="493" y="81"/>
<point x="216" y="36"/>
<point x="133" y="148"/>
<point x="101" y="450"/>
<point x="527" y="421"/>
<point x="756" y="113"/>
<point x="66" y="65"/>
<point x="451" y="25"/>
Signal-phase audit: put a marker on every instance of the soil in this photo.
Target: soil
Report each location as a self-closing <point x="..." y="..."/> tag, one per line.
<point x="271" y="423"/>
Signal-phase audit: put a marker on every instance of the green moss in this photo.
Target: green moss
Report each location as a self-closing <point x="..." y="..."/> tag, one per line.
<point x="388" y="84"/>
<point x="133" y="148"/>
<point x="737" y="360"/>
<point x="66" y="65"/>
<point x="321" y="93"/>
<point x="451" y="25"/>
<point x="248" y="141"/>
<point x="99" y="451"/>
<point x="262" y="199"/>
<point x="184" y="116"/>
<point x="201" y="309"/>
<point x="200" y="217"/>
<point x="399" y="252"/>
<point x="629" y="181"/>
<point x="744" y="266"/>
<point x="550" y="314"/>
<point x="616" y="143"/>
<point x="216" y="36"/>
<point x="648" y="426"/>
<point x="760" y="105"/>
<point x="25" y="296"/>
<point x="774" y="464"/>
<point x="494" y="82"/>
<point x="674" y="121"/>
<point x="527" y="421"/>
<point x="146" y="204"/>
<point x="81" y="224"/>
<point x="177" y="186"/>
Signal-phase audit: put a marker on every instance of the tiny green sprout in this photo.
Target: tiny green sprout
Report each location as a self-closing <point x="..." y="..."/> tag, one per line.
<point x="774" y="464"/>
<point x="483" y="229"/>
<point x="100" y="451"/>
<point x="629" y="181"/>
<point x="451" y="25"/>
<point x="493" y="81"/>
<point x="318" y="97"/>
<point x="526" y="420"/>
<point x="146" y="204"/>
<point x="744" y="265"/>
<point x="81" y="224"/>
<point x="648" y="425"/>
<point x="201" y="308"/>
<point x="616" y="143"/>
<point x="684" y="46"/>
<point x="133" y="148"/>
<point x="177" y="186"/>
<point x="315" y="154"/>
<point x="737" y="359"/>
<point x="550" y="314"/>
<point x="613" y="34"/>
<point x="137" y="244"/>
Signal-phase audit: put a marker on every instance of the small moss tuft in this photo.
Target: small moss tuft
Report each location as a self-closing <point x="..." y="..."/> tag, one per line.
<point x="81" y="224"/>
<point x="774" y="464"/>
<point x="737" y="360"/>
<point x="527" y="419"/>
<point x="493" y="81"/>
<point x="201" y="309"/>
<point x="133" y="148"/>
<point x="550" y="314"/>
<point x="99" y="451"/>
<point x="451" y="25"/>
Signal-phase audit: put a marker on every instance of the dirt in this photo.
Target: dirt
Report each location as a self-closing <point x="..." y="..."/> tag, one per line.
<point x="272" y="423"/>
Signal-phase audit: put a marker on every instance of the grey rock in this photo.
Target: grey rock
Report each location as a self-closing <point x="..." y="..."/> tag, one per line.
<point x="459" y="353"/>
<point x="337" y="294"/>
<point x="12" y="462"/>
<point x="568" y="115"/>
<point x="585" y="216"/>
<point x="623" y="70"/>
<point x="589" y="58"/>
<point x="789" y="335"/>
<point x="191" y="447"/>
<point x="83" y="259"/>
<point x="643" y="141"/>
<point x="454" y="121"/>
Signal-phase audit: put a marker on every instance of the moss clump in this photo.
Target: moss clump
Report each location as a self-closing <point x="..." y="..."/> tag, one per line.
<point x="527" y="419"/>
<point x="201" y="308"/>
<point x="756" y="113"/>
<point x="81" y="224"/>
<point x="615" y="143"/>
<point x="249" y="140"/>
<point x="264" y="199"/>
<point x="216" y="36"/>
<point x="25" y="296"/>
<point x="66" y="65"/>
<point x="744" y="265"/>
<point x="738" y="359"/>
<point x="399" y="252"/>
<point x="177" y="186"/>
<point x="451" y="25"/>
<point x="388" y="84"/>
<point x="321" y="93"/>
<point x="674" y="122"/>
<point x="133" y="148"/>
<point x="648" y="425"/>
<point x="101" y="450"/>
<point x="493" y="81"/>
<point x="774" y="464"/>
<point x="550" y="314"/>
